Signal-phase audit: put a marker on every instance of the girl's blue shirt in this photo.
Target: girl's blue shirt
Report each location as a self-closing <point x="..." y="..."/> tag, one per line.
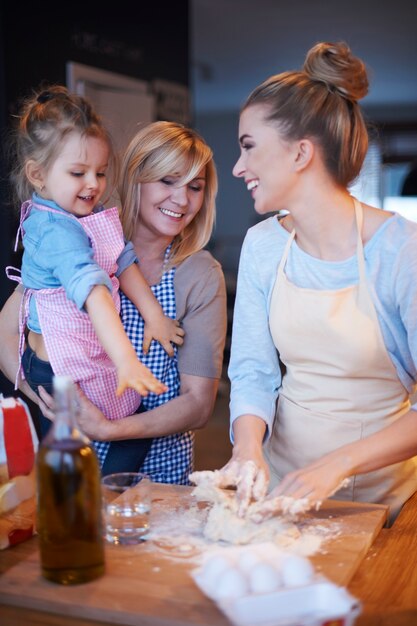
<point x="58" y="253"/>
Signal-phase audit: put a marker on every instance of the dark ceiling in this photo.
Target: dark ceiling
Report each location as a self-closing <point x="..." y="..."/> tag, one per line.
<point x="235" y="44"/>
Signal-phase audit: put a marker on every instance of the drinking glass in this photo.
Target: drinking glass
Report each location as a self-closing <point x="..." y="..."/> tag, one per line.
<point x="126" y="507"/>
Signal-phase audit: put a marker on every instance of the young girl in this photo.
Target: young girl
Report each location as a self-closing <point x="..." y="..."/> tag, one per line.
<point x="75" y="257"/>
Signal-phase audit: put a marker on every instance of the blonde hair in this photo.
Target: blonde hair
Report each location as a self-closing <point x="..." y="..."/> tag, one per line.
<point x="46" y="119"/>
<point x="168" y="149"/>
<point x="321" y="102"/>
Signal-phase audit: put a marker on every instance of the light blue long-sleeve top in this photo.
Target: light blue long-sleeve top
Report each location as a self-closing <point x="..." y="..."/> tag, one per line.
<point x="391" y="266"/>
<point x="58" y="253"/>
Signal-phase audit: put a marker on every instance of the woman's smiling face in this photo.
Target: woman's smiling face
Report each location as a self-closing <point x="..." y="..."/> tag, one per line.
<point x="167" y="206"/>
<point x="266" y="160"/>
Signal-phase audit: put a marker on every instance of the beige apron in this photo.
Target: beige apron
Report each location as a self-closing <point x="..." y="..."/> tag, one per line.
<point x="340" y="383"/>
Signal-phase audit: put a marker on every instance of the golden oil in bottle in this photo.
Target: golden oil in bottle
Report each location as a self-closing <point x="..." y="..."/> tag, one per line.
<point x="69" y="511"/>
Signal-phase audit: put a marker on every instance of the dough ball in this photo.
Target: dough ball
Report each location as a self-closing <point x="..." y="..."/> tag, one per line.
<point x="264" y="578"/>
<point x="232" y="583"/>
<point x="296" y="570"/>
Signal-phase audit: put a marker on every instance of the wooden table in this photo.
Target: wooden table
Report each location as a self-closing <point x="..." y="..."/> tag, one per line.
<point x="386" y="581"/>
<point x="141" y="588"/>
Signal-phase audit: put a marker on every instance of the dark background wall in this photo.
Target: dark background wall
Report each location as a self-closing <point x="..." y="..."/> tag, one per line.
<point x="257" y="38"/>
<point x="144" y="40"/>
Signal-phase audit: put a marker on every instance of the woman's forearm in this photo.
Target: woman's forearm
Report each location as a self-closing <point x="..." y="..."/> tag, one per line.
<point x="9" y="363"/>
<point x="248" y="434"/>
<point x="394" y="443"/>
<point x="9" y="359"/>
<point x="9" y="343"/>
<point x="322" y="478"/>
<point x="9" y="335"/>
<point x="189" y="411"/>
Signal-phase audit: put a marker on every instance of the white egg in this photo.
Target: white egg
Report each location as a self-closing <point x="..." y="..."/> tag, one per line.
<point x="264" y="578"/>
<point x="232" y="583"/>
<point x="213" y="568"/>
<point x="296" y="570"/>
<point x="247" y="560"/>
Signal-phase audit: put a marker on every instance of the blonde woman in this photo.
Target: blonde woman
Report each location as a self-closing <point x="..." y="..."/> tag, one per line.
<point x="168" y="186"/>
<point x="330" y="290"/>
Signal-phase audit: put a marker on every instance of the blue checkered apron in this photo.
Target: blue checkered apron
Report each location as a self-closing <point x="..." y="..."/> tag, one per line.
<point x="170" y="458"/>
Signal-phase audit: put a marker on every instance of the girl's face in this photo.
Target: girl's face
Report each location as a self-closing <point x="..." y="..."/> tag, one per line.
<point x="167" y="207"/>
<point x="76" y="181"/>
<point x="265" y="162"/>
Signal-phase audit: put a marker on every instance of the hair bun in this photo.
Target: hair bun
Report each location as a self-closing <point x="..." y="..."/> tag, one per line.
<point x="51" y="92"/>
<point x="44" y="96"/>
<point x="334" y="65"/>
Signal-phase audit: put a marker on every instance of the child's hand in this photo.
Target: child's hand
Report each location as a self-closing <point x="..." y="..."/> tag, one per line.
<point x="165" y="330"/>
<point x="137" y="376"/>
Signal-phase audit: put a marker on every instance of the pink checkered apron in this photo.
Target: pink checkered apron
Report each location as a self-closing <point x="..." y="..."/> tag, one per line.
<point x="70" y="339"/>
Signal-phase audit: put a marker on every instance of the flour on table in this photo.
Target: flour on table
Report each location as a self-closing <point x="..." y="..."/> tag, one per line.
<point x="206" y="522"/>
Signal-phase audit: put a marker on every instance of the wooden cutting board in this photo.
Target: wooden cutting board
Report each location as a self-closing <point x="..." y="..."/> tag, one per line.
<point x="149" y="586"/>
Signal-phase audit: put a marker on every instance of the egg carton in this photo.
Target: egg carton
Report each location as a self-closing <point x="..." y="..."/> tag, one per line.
<point x="262" y="585"/>
<point x="317" y="604"/>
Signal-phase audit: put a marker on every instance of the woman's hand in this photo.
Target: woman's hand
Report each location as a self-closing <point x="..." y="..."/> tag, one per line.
<point x="249" y="473"/>
<point x="46" y="403"/>
<point x="305" y="488"/>
<point x="317" y="481"/>
<point x="90" y="419"/>
<point x="247" y="470"/>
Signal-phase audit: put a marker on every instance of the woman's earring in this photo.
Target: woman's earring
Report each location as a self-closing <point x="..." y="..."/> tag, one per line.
<point x="41" y="188"/>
